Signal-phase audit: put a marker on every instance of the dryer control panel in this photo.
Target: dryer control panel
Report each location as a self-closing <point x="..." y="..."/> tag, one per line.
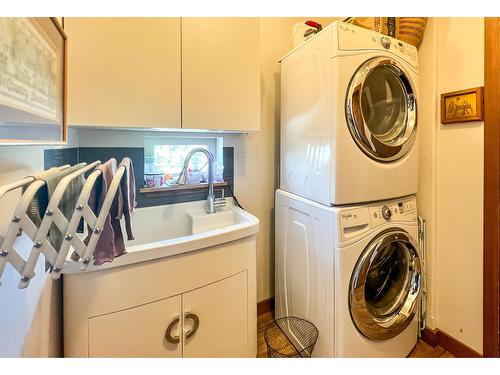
<point x="352" y="37"/>
<point x="356" y="220"/>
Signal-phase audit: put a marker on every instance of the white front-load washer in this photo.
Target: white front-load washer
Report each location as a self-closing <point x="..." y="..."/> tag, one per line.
<point x="353" y="271"/>
<point x="349" y="117"/>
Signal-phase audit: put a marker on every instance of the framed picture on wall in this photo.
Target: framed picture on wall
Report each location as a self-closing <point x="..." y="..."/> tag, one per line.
<point x="462" y="106"/>
<point x="32" y="81"/>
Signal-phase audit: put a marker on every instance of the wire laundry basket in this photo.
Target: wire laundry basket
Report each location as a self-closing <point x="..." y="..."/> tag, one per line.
<point x="290" y="337"/>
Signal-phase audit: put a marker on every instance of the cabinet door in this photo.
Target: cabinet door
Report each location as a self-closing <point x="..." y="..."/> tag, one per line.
<point x="221" y="73"/>
<point x="124" y="72"/>
<point x="222" y="311"/>
<point x="137" y="332"/>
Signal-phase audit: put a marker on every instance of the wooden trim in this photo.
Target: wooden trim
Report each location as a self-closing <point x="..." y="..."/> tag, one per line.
<point x="430" y="337"/>
<point x="265" y="306"/>
<point x="65" y="88"/>
<point x="491" y="212"/>
<point x="455" y="347"/>
<point x="179" y="189"/>
<point x="450" y="344"/>
<point x="60" y="29"/>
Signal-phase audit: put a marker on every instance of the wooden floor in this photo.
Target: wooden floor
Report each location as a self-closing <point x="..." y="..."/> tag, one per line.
<point x="421" y="350"/>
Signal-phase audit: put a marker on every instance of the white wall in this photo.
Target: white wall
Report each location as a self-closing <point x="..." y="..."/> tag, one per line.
<point x="427" y="127"/>
<point x="451" y="179"/>
<point x="30" y="318"/>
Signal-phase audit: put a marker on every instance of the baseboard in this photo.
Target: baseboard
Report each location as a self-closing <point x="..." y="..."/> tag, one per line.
<point x="452" y="345"/>
<point x="430" y="337"/>
<point x="265" y="306"/>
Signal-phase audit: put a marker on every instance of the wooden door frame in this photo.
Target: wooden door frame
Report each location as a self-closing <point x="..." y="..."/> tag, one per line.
<point x="491" y="207"/>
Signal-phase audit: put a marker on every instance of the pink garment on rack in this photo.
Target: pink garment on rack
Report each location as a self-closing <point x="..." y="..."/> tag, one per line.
<point x="111" y="244"/>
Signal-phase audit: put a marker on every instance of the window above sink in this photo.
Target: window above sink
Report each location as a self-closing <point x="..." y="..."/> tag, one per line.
<point x="164" y="157"/>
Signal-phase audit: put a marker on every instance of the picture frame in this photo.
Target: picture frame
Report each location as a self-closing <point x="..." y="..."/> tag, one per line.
<point x="33" y="78"/>
<point x="462" y="106"/>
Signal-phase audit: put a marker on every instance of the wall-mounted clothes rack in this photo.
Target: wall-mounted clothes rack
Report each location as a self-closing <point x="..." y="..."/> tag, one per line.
<point x="42" y="245"/>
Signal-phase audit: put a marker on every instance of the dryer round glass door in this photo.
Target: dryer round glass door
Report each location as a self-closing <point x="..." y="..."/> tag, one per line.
<point x="381" y="110"/>
<point x="385" y="285"/>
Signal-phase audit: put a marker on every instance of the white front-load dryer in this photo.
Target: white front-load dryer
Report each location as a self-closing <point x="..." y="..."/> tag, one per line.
<point x="353" y="271"/>
<point x="349" y="100"/>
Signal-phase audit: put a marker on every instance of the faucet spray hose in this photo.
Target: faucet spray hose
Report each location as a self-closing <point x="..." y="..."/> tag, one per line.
<point x="234" y="197"/>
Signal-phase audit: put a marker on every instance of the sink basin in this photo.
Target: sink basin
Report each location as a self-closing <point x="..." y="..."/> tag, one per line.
<point x="168" y="230"/>
<point x="204" y="222"/>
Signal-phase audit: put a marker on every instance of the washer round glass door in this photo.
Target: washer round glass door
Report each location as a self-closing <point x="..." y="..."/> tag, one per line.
<point x="385" y="285"/>
<point x="381" y="110"/>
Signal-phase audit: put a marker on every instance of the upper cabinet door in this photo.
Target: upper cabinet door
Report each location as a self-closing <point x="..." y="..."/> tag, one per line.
<point x="124" y="72"/>
<point x="221" y="73"/>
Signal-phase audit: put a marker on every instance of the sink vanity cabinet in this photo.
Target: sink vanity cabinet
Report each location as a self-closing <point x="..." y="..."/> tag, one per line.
<point x="210" y="321"/>
<point x="191" y="296"/>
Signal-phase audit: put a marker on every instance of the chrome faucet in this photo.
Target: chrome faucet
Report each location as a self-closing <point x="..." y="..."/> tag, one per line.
<point x="212" y="203"/>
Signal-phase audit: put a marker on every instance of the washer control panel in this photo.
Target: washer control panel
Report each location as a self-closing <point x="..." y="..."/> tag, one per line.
<point x="404" y="210"/>
<point x="386" y="213"/>
<point x="352" y="37"/>
<point x="356" y="220"/>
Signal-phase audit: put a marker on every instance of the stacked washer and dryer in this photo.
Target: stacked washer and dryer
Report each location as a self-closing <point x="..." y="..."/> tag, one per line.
<point x="346" y="218"/>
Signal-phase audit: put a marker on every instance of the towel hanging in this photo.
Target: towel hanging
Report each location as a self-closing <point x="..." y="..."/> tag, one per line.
<point x="65" y="217"/>
<point x="38" y="234"/>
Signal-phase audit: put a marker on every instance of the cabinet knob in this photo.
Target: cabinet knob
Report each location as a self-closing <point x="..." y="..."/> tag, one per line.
<point x="196" y="322"/>
<point x="168" y="333"/>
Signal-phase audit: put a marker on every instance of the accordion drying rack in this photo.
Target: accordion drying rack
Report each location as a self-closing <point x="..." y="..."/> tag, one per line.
<point x="21" y="223"/>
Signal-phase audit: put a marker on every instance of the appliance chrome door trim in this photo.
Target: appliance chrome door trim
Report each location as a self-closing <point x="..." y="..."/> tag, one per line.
<point x="365" y="140"/>
<point x="389" y="326"/>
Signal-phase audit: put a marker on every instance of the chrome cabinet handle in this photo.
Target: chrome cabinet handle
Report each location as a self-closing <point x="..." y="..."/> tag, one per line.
<point x="196" y="321"/>
<point x="168" y="333"/>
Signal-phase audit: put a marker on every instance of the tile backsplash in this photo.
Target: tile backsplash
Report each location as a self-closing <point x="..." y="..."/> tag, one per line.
<point x="60" y="156"/>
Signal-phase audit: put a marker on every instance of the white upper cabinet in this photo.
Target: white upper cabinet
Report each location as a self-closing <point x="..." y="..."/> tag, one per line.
<point x="221" y="73"/>
<point x="194" y="73"/>
<point x="124" y="72"/>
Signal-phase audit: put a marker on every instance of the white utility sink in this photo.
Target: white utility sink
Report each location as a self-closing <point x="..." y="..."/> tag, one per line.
<point x="163" y="231"/>
<point x="204" y="222"/>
